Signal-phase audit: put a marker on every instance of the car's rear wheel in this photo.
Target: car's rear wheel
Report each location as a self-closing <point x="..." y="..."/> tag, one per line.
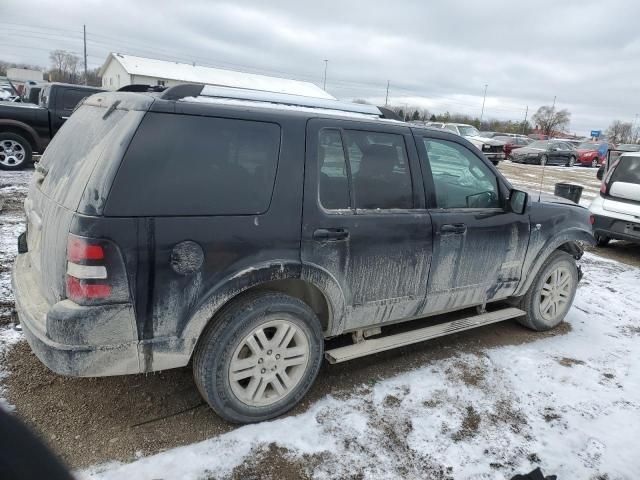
<point x="594" y="163"/>
<point x="602" y="240"/>
<point x="15" y="152"/>
<point x="259" y="357"/>
<point x="543" y="160"/>
<point x="551" y="293"/>
<point x="572" y="161"/>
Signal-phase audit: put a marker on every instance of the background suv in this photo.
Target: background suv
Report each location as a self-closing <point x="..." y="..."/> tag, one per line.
<point x="616" y="212"/>
<point x="239" y="230"/>
<point x="492" y="149"/>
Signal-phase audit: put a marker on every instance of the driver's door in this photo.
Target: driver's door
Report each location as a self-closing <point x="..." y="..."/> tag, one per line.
<point x="479" y="246"/>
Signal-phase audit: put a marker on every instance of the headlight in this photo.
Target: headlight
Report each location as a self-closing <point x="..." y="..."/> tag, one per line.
<point x="533" y="154"/>
<point x="486" y="147"/>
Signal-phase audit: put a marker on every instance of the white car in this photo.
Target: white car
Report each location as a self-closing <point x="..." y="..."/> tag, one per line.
<point x="492" y="149"/>
<point x="616" y="211"/>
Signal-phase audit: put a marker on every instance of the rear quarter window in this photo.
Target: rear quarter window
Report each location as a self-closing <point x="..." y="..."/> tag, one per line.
<point x="181" y="165"/>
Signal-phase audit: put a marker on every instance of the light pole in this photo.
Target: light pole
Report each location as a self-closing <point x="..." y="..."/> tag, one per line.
<point x="324" y="82"/>
<point x="483" y="100"/>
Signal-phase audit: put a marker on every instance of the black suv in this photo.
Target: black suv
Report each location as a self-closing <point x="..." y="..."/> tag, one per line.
<point x="240" y="230"/>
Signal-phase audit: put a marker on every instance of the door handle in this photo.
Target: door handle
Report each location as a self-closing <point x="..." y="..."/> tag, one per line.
<point x="326" y="234"/>
<point x="453" y="228"/>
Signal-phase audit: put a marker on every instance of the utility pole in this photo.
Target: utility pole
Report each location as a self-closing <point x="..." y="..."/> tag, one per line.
<point x="84" y="32"/>
<point x="554" y="103"/>
<point x="483" y="100"/>
<point x="524" y="124"/>
<point x="324" y="82"/>
<point x="386" y="99"/>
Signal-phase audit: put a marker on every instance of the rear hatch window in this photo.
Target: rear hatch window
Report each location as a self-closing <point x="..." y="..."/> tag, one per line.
<point x="623" y="186"/>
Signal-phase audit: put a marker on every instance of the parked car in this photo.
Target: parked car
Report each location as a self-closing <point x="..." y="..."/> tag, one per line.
<point x="616" y="211"/>
<point x="629" y="147"/>
<point x="213" y="226"/>
<point x="513" y="142"/>
<point x="26" y="128"/>
<point x="593" y="154"/>
<point x="544" y="152"/>
<point x="492" y="149"/>
<point x="538" y="136"/>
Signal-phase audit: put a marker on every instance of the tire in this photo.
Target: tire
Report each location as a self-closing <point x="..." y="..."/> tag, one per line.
<point x="15" y="152"/>
<point x="537" y="317"/>
<point x="572" y="161"/>
<point x="602" y="240"/>
<point x="543" y="160"/>
<point x="231" y="344"/>
<point x="594" y="163"/>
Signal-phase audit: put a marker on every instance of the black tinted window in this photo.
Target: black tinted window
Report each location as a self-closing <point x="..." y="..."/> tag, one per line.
<point x="188" y="165"/>
<point x="71" y="98"/>
<point x="460" y="178"/>
<point x="334" y="181"/>
<point x="380" y="172"/>
<point x="628" y="171"/>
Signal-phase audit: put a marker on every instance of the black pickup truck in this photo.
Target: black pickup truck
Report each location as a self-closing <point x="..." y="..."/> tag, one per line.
<point x="26" y="128"/>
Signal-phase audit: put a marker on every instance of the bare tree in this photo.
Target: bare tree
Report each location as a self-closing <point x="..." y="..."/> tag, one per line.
<point x="64" y="66"/>
<point x="621" y="132"/>
<point x="551" y="120"/>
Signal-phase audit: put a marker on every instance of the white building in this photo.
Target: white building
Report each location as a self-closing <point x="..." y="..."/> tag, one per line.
<point x="24" y="75"/>
<point x="120" y="70"/>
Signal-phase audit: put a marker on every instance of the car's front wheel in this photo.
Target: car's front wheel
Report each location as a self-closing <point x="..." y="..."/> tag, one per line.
<point x="259" y="357"/>
<point x="594" y="163"/>
<point x="551" y="293"/>
<point x="15" y="151"/>
<point x="572" y="161"/>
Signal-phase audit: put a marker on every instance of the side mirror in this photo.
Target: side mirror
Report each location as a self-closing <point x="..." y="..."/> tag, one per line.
<point x="600" y="173"/>
<point x="518" y="201"/>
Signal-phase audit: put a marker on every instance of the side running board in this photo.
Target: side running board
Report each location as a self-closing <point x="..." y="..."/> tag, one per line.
<point x="375" y="345"/>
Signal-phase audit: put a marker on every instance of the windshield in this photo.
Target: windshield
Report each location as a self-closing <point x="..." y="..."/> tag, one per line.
<point x="589" y="146"/>
<point x="468" y="131"/>
<point x="543" y="144"/>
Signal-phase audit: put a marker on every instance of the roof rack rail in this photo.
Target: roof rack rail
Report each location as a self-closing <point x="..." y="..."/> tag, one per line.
<point x="213" y="91"/>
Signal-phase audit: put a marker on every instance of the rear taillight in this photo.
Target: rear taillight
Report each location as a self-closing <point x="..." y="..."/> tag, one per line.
<point x="94" y="271"/>
<point x="592" y="219"/>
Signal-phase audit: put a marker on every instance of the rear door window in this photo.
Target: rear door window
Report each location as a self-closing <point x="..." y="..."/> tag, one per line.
<point x="180" y="165"/>
<point x="71" y="98"/>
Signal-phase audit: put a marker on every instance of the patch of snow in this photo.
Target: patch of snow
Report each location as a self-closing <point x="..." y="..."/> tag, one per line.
<point x="569" y="403"/>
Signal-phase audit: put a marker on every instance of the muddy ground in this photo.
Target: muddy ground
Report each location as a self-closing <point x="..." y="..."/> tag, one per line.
<point x="88" y="421"/>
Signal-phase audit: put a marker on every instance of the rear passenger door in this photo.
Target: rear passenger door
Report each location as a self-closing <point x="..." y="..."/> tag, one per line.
<point x="364" y="218"/>
<point x="479" y="246"/>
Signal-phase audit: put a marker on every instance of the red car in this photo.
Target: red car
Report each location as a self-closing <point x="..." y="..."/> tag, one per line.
<point x="511" y="143"/>
<point x="593" y="154"/>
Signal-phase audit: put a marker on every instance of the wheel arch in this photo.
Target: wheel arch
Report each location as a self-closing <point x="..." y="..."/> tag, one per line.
<point x="566" y="241"/>
<point x="310" y="284"/>
<point x="24" y="130"/>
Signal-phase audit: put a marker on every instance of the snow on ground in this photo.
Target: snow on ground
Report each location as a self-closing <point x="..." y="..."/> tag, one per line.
<point x="568" y="403"/>
<point x="13" y="188"/>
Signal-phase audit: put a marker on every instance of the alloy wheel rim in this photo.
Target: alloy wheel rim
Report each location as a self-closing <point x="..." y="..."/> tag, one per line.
<point x="269" y="363"/>
<point x="12" y="153"/>
<point x="594" y="163"/>
<point x="555" y="293"/>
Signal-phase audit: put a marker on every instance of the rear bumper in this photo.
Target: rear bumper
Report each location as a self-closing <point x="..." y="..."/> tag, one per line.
<point x="616" y="228"/>
<point x="71" y="339"/>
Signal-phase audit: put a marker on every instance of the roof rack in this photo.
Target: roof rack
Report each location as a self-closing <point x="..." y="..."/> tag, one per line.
<point x="197" y="90"/>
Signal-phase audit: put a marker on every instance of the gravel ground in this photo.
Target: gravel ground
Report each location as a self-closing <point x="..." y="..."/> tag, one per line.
<point x="89" y="421"/>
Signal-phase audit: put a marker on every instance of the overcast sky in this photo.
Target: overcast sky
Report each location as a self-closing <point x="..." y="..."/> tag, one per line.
<point x="439" y="54"/>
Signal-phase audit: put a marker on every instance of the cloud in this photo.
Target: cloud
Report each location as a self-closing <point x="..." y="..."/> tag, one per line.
<point x="437" y="54"/>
